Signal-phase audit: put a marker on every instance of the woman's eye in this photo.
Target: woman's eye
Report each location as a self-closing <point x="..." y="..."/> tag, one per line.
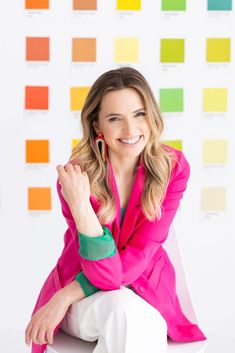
<point x="140" y="114"/>
<point x="113" y="119"/>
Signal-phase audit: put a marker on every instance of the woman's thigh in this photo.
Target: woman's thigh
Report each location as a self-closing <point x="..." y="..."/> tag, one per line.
<point x="87" y="318"/>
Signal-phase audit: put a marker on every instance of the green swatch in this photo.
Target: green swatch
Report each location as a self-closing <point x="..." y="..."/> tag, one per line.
<point x="172" y="51"/>
<point x="173" y="5"/>
<point x="172" y="100"/>
<point x="219" y="5"/>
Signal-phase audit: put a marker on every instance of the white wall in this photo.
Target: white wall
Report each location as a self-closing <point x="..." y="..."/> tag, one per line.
<point x="31" y="243"/>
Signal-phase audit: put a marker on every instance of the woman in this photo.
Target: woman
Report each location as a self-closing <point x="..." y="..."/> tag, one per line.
<point x="114" y="281"/>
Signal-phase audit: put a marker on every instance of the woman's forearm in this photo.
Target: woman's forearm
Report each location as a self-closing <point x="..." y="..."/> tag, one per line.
<point x="86" y="220"/>
<point x="72" y="292"/>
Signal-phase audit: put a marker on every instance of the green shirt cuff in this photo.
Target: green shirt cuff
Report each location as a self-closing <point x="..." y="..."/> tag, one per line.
<point x="87" y="287"/>
<point x="97" y="248"/>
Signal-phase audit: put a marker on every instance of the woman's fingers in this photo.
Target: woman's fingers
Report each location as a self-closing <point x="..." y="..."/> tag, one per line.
<point x="41" y="336"/>
<point x="28" y="333"/>
<point x="49" y="335"/>
<point x="61" y="172"/>
<point x="34" y="334"/>
<point x="69" y="167"/>
<point x="77" y="168"/>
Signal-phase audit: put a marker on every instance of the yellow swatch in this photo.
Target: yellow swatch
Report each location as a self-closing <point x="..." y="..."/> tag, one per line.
<point x="215" y="151"/>
<point x="39" y="199"/>
<point x="126" y="50"/>
<point x="213" y="199"/>
<point x="218" y="49"/>
<point x="74" y="143"/>
<point x="131" y="5"/>
<point x="215" y="99"/>
<point x="77" y="97"/>
<point x="177" y="144"/>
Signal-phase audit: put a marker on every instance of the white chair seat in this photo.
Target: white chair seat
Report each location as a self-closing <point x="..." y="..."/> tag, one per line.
<point x="64" y="343"/>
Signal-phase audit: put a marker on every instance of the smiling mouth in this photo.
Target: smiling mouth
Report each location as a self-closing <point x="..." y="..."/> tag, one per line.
<point x="132" y="141"/>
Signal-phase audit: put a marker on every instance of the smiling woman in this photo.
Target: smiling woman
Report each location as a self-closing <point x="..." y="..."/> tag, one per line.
<point x="119" y="195"/>
<point x="121" y="108"/>
<point x="125" y="128"/>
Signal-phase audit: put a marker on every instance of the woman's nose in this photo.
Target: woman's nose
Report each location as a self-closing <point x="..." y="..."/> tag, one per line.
<point x="128" y="127"/>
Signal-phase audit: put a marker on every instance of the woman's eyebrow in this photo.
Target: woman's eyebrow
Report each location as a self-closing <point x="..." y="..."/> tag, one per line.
<point x="117" y="114"/>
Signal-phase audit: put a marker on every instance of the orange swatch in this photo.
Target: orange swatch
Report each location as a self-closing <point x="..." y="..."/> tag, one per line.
<point x="39" y="199"/>
<point x="85" y="4"/>
<point x="37" y="49"/>
<point x="37" y="4"/>
<point x="37" y="151"/>
<point x="84" y="49"/>
<point x="36" y="97"/>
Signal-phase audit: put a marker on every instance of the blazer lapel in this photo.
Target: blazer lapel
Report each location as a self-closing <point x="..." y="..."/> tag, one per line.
<point x="122" y="235"/>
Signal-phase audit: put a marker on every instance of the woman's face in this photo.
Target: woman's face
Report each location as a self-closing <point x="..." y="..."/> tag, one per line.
<point x="122" y="120"/>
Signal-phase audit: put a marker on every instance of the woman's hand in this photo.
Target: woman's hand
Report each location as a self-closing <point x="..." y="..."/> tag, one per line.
<point x="43" y="323"/>
<point x="75" y="185"/>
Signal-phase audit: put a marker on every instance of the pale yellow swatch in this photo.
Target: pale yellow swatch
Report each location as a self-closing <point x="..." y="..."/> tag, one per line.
<point x="215" y="99"/>
<point x="215" y="151"/>
<point x="213" y="199"/>
<point x="126" y="50"/>
<point x="77" y="97"/>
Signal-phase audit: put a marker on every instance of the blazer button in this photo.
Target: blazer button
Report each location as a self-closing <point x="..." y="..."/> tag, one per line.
<point x="142" y="289"/>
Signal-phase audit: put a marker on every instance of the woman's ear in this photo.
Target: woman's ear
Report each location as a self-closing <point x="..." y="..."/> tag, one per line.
<point x="96" y="126"/>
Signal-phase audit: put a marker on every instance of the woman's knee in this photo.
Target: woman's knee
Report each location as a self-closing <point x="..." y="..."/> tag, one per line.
<point x="126" y="301"/>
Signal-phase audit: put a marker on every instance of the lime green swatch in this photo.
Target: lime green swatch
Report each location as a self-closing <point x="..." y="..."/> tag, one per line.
<point x="172" y="100"/>
<point x="177" y="144"/>
<point x="172" y="51"/>
<point x="173" y="5"/>
<point x="218" y="49"/>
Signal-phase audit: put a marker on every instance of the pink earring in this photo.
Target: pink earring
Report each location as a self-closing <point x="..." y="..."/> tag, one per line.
<point x="101" y="145"/>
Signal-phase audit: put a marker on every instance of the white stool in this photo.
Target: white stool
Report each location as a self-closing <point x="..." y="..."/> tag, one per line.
<point x="64" y="343"/>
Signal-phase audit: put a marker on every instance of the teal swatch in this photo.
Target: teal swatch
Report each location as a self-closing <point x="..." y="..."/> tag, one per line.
<point x="219" y="5"/>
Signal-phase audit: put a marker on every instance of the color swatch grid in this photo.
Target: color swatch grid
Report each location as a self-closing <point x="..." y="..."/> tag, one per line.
<point x="173" y="51"/>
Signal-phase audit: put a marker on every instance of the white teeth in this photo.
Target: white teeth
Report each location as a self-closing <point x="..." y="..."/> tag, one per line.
<point x="130" y="141"/>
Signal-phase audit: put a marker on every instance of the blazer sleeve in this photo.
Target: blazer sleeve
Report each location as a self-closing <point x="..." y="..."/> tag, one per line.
<point x="127" y="264"/>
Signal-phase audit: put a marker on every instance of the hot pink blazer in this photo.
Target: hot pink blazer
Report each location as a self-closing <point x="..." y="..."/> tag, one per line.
<point x="140" y="259"/>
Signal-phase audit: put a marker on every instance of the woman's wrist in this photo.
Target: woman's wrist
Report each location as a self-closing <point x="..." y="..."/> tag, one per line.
<point x="86" y="219"/>
<point x="80" y="208"/>
<point x="72" y="293"/>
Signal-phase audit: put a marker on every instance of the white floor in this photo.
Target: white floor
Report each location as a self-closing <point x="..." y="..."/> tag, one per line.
<point x="13" y="342"/>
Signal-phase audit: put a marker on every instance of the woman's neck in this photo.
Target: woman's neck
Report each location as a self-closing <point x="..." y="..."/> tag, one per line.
<point x="123" y="167"/>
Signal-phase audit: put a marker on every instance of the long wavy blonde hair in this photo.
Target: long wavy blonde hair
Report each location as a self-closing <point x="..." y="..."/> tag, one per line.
<point x="156" y="158"/>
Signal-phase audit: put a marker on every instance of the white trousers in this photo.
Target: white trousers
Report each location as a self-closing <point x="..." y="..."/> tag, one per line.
<point x="120" y="320"/>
